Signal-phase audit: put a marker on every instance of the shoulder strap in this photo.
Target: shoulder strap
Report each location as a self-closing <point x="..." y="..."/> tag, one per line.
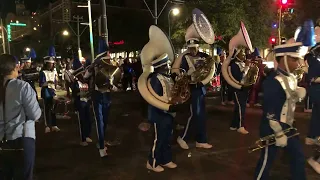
<point x="4" y="107"/>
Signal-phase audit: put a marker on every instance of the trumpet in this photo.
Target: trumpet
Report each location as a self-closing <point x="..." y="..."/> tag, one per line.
<point x="270" y="140"/>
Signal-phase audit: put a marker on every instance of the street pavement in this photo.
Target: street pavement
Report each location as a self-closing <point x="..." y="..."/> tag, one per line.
<point x="59" y="155"/>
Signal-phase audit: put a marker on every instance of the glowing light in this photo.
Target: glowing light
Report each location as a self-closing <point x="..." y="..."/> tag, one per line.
<point x="35" y="28"/>
<point x="117" y="42"/>
<point x="65" y="33"/>
<point x="28" y="49"/>
<point x="175" y="11"/>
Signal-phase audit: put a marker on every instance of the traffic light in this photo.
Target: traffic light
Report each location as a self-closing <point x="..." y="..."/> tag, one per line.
<point x="274" y="25"/>
<point x="273" y="40"/>
<point x="284" y="2"/>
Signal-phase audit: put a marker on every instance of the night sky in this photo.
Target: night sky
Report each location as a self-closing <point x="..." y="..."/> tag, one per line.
<point x="7" y="6"/>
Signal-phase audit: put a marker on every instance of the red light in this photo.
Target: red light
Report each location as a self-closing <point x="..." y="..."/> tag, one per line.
<point x="272" y="40"/>
<point x="284" y="2"/>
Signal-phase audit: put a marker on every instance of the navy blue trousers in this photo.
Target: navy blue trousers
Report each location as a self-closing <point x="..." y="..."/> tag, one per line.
<point x="240" y="104"/>
<point x="314" y="129"/>
<point x="18" y="165"/>
<point x="297" y="160"/>
<point x="307" y="102"/>
<point x="49" y="112"/>
<point x="84" y="118"/>
<point x="101" y="107"/>
<point x="197" y="119"/>
<point x="225" y="91"/>
<point x="160" y="153"/>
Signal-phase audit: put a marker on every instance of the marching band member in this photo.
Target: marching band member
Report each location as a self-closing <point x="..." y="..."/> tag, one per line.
<point x="314" y="75"/>
<point x="47" y="79"/>
<point x="239" y="70"/>
<point x="280" y="96"/>
<point x="254" y="93"/>
<point x="198" y="91"/>
<point x="190" y="63"/>
<point x="30" y="74"/>
<point x="155" y="86"/>
<point x="80" y="91"/>
<point x="101" y="98"/>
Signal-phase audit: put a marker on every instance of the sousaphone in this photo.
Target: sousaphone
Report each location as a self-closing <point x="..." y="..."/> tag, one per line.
<point x="158" y="45"/>
<point x="200" y="28"/>
<point x="241" y="39"/>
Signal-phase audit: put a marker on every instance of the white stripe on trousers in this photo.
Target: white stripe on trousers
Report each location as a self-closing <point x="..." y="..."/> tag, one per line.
<point x="95" y="117"/>
<point x="154" y="145"/>
<point x="44" y="113"/>
<point x="188" y="123"/>
<point x="235" y="94"/>
<point x="264" y="163"/>
<point x="79" y="126"/>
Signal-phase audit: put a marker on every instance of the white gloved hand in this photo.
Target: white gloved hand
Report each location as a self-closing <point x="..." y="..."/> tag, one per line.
<point x="282" y="140"/>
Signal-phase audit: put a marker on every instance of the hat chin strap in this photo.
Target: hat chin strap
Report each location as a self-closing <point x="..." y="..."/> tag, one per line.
<point x="286" y="63"/>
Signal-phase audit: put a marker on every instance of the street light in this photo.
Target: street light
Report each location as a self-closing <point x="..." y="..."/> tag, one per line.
<point x="90" y="26"/>
<point x="175" y="12"/>
<point x="65" y="33"/>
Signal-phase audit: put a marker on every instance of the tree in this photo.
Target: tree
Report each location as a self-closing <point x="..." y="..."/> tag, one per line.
<point x="225" y="17"/>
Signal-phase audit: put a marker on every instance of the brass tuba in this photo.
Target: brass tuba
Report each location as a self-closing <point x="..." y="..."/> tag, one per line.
<point x="159" y="46"/>
<point x="241" y="39"/>
<point x="200" y="28"/>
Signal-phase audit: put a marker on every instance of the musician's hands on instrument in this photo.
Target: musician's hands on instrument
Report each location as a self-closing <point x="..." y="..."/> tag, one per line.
<point x="281" y="140"/>
<point x="174" y="76"/>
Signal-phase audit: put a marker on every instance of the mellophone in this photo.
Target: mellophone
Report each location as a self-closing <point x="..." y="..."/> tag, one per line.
<point x="271" y="140"/>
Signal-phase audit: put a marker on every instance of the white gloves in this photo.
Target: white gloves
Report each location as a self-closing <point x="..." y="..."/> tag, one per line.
<point x="282" y="140"/>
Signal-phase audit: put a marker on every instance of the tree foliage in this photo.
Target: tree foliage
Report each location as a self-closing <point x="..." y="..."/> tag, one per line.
<point x="225" y="17"/>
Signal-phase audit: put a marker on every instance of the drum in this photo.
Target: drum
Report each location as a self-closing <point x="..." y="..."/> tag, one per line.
<point x="62" y="101"/>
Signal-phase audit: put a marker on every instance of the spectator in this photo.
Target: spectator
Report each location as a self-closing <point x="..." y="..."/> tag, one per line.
<point x="19" y="110"/>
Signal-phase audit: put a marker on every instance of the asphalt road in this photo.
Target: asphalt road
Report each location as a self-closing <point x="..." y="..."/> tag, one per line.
<point x="59" y="155"/>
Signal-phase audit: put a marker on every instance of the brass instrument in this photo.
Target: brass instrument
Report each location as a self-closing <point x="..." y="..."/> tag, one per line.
<point x="200" y="28"/>
<point x="252" y="75"/>
<point x="241" y="39"/>
<point x="203" y="70"/>
<point x="298" y="73"/>
<point x="159" y="46"/>
<point x="270" y="140"/>
<point x="180" y="91"/>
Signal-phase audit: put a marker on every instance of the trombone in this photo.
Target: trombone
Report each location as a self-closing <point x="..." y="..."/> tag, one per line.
<point x="270" y="140"/>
